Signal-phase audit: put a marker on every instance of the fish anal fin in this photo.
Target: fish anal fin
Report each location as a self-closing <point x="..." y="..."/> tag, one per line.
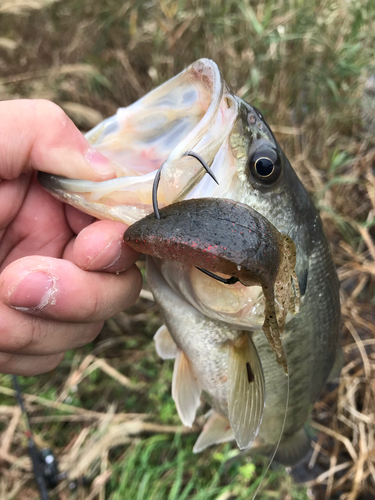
<point x="185" y="389"/>
<point x="216" y="430"/>
<point x="164" y="344"/>
<point x="246" y="391"/>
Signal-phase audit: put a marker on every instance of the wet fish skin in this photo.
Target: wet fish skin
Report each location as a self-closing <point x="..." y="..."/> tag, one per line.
<point x="206" y="320"/>
<point x="223" y="236"/>
<point x="311" y="337"/>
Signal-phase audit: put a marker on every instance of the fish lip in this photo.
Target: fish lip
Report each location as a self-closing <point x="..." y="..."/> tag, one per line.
<point x="50" y="182"/>
<point x="46" y="180"/>
<point x="54" y="184"/>
<point x="180" y="174"/>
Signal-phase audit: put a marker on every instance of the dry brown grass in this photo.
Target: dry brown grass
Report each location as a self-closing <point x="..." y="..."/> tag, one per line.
<point x="305" y="65"/>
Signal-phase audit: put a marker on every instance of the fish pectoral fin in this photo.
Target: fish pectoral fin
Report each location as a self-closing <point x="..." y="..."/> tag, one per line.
<point x="185" y="389"/>
<point x="216" y="430"/>
<point x="246" y="391"/>
<point x="164" y="344"/>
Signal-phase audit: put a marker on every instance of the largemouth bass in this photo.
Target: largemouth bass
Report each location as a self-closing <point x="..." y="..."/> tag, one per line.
<point x="216" y="331"/>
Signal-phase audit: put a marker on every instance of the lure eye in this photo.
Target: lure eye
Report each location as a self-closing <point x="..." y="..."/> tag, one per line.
<point x="265" y="165"/>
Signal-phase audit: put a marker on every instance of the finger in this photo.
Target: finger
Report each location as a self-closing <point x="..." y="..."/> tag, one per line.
<point x="12" y="195"/>
<point x="101" y="247"/>
<point x="40" y="226"/>
<point x="38" y="135"/>
<point x="28" y="365"/>
<point x="59" y="290"/>
<point x="25" y="334"/>
<point x="77" y="220"/>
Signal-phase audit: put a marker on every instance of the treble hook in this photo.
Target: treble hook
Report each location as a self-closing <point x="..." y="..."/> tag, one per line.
<point x="227" y="281"/>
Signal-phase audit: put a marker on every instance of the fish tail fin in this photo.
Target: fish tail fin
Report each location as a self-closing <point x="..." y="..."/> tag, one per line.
<point x="246" y="391"/>
<point x="216" y="430"/>
<point x="295" y="447"/>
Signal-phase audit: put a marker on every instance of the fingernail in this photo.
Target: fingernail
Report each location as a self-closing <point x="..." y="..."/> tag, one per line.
<point x="35" y="291"/>
<point x="111" y="254"/>
<point x="107" y="257"/>
<point x="99" y="162"/>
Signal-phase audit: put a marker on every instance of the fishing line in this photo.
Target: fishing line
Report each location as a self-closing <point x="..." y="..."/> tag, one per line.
<point x="278" y="442"/>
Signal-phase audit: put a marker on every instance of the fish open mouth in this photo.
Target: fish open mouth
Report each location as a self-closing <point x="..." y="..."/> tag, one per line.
<point x="193" y="111"/>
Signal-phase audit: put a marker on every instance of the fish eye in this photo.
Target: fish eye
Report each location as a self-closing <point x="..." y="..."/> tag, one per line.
<point x="265" y="165"/>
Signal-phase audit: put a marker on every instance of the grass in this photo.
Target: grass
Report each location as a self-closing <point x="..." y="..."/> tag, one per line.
<point x="163" y="467"/>
<point x="305" y="64"/>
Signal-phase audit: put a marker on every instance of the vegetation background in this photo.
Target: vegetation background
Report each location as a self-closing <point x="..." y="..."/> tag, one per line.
<point x="309" y="65"/>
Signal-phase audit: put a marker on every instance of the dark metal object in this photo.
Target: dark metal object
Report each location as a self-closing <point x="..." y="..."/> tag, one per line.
<point x="34" y="453"/>
<point x="155" y="192"/>
<point x="227" y="281"/>
<point x="203" y="163"/>
<point x="157" y="179"/>
<point x="50" y="468"/>
<point x="45" y="465"/>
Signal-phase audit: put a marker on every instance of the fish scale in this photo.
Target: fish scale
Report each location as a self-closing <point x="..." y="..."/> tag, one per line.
<point x="213" y="329"/>
<point x="215" y="362"/>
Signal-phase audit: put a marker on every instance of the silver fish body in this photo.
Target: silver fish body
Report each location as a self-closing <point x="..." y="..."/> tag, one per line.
<point x="211" y="328"/>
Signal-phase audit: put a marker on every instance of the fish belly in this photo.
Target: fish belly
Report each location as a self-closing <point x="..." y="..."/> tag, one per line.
<point x="309" y="339"/>
<point x="203" y="340"/>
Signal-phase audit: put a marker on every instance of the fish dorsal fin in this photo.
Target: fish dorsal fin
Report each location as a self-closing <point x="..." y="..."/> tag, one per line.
<point x="164" y="344"/>
<point x="216" y="430"/>
<point x="185" y="390"/>
<point x="246" y="391"/>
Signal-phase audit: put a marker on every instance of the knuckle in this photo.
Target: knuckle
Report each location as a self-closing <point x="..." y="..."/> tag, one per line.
<point x="28" y="365"/>
<point x="94" y="307"/>
<point x="134" y="286"/>
<point x="91" y="332"/>
<point x="28" y="336"/>
<point x="7" y="362"/>
<point x="51" y="362"/>
<point x="101" y="305"/>
<point x="94" y="331"/>
<point x="17" y="337"/>
<point x="49" y="109"/>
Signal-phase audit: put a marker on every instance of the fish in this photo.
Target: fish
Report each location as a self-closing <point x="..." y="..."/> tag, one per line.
<point x="259" y="342"/>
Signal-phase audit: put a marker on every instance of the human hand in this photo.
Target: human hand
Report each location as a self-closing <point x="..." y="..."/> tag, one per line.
<point x="56" y="288"/>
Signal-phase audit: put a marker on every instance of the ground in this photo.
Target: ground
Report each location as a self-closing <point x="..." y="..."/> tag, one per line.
<point x="106" y="411"/>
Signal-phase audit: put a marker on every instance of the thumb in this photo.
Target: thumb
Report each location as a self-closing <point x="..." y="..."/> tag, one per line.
<point x="38" y="135"/>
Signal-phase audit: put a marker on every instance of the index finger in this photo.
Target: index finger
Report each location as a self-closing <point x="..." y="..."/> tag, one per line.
<point x="38" y="135"/>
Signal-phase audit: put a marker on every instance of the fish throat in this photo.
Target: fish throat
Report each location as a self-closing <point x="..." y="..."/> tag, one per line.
<point x="222" y="236"/>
